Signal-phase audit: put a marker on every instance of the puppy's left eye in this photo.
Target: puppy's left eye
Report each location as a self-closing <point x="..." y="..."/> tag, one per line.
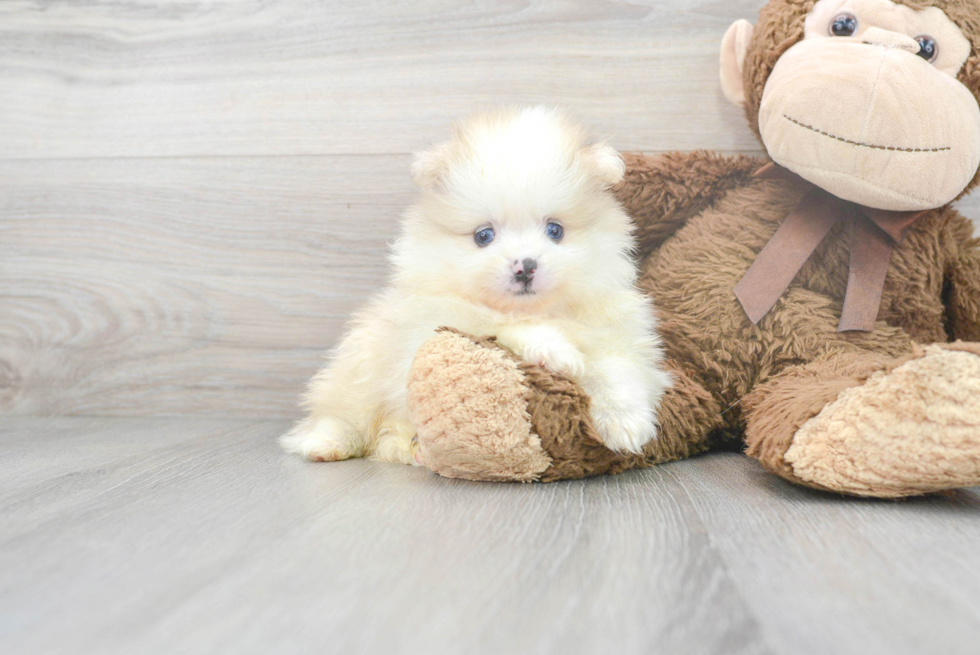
<point x="484" y="237"/>
<point x="555" y="232"/>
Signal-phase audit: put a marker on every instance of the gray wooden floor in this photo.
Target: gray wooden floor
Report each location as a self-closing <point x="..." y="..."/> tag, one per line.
<point x="156" y="535"/>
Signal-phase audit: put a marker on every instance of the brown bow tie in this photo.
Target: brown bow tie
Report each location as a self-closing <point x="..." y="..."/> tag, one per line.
<point x="876" y="232"/>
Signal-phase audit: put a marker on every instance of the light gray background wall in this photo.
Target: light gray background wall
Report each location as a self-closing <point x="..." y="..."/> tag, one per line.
<point x="193" y="196"/>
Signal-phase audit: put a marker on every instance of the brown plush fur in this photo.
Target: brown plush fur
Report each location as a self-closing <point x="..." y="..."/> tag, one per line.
<point x="662" y="194"/>
<point x="559" y="411"/>
<point x="774" y="377"/>
<point x="702" y="220"/>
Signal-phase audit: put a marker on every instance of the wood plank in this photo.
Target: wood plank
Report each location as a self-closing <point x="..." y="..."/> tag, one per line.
<point x="93" y="456"/>
<point x="220" y="543"/>
<point x="102" y="79"/>
<point x="187" y="286"/>
<point x="37" y="452"/>
<point x="135" y="287"/>
<point x="182" y="535"/>
<point x="827" y="574"/>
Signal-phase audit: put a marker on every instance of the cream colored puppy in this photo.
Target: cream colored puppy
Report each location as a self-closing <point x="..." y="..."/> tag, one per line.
<point x="516" y="235"/>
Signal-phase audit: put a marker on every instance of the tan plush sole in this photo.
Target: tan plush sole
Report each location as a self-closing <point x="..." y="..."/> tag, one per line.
<point x="907" y="432"/>
<point x="469" y="404"/>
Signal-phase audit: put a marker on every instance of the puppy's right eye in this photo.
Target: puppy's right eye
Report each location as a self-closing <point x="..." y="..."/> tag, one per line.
<point x="484" y="237"/>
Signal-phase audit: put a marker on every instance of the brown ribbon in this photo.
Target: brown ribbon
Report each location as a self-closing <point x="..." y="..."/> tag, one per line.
<point x="876" y="233"/>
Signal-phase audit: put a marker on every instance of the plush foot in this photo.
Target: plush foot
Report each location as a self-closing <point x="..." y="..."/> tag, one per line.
<point x="469" y="403"/>
<point x="322" y="440"/>
<point x="910" y="431"/>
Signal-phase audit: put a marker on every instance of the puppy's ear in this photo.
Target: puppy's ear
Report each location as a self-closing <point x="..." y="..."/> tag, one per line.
<point x="429" y="166"/>
<point x="608" y="164"/>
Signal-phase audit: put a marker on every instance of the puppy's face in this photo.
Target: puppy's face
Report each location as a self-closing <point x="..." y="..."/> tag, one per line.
<point x="516" y="214"/>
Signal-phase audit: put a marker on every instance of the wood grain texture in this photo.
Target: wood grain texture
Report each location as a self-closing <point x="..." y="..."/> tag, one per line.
<point x="172" y="286"/>
<point x="186" y="286"/>
<point x="189" y="209"/>
<point x="828" y="574"/>
<point x="191" y="536"/>
<point x="205" y="538"/>
<point x="244" y="77"/>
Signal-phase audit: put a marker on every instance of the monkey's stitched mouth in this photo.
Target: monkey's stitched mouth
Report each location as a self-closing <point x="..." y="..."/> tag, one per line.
<point x="858" y="143"/>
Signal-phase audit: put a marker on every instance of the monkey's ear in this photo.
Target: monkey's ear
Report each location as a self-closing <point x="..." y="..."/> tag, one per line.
<point x="429" y="166"/>
<point x="608" y="164"/>
<point x="734" y="48"/>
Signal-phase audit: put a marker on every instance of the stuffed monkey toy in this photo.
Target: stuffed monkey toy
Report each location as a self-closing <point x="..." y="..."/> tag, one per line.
<point x="821" y="307"/>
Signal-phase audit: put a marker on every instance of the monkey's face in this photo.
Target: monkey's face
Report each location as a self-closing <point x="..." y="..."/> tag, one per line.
<point x="868" y="106"/>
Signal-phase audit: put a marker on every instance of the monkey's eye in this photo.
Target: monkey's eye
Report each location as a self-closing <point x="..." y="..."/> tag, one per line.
<point x="928" y="48"/>
<point x="555" y="232"/>
<point x="484" y="237"/>
<point x="844" y="25"/>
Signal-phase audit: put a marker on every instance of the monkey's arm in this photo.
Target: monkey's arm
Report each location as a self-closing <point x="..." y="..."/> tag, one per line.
<point x="963" y="282"/>
<point x="661" y="193"/>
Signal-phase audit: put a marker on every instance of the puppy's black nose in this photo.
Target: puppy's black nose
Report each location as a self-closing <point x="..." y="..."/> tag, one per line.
<point x="524" y="271"/>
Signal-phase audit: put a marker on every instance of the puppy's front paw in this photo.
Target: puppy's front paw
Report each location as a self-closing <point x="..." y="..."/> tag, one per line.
<point x="550" y="348"/>
<point x="624" y="429"/>
<point x="397" y="442"/>
<point x="321" y="440"/>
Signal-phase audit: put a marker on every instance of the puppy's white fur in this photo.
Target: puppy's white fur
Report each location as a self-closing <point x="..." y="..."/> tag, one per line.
<point x="512" y="170"/>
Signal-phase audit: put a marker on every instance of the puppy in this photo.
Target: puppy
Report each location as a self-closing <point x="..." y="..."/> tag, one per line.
<point x="516" y="235"/>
